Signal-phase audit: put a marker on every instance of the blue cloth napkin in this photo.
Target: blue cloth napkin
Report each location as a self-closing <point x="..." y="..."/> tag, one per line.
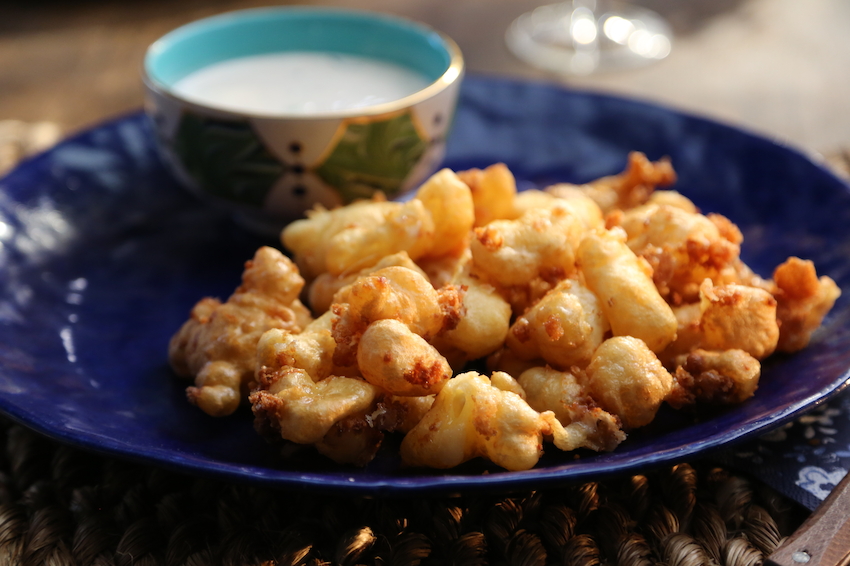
<point x="803" y="459"/>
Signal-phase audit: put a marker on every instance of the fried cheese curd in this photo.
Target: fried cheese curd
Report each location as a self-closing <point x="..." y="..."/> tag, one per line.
<point x="217" y="346"/>
<point x="590" y="306"/>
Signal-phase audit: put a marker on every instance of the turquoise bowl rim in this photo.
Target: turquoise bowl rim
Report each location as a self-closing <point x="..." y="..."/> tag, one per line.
<point x="226" y="36"/>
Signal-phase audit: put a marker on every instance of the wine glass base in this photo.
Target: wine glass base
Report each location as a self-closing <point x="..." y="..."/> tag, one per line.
<point x="584" y="36"/>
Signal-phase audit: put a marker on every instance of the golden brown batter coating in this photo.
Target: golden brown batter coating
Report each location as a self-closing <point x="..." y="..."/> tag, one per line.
<point x="290" y="405"/>
<point x="470" y="418"/>
<point x="391" y="293"/>
<point x="217" y="346"/>
<point x="493" y="191"/>
<point x="737" y="316"/>
<point x="628" y="380"/>
<point x="683" y="248"/>
<point x="400" y="362"/>
<point x="717" y="378"/>
<point x="564" y="328"/>
<point x="623" y="284"/>
<point x="561" y="393"/>
<point x="632" y="187"/>
<point x="803" y="301"/>
<point x="573" y="296"/>
<point x="542" y="242"/>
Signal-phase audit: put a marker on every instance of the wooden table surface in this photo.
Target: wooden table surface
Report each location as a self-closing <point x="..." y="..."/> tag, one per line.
<point x="778" y="67"/>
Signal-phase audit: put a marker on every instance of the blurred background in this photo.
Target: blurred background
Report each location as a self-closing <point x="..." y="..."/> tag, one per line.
<point x="777" y="67"/>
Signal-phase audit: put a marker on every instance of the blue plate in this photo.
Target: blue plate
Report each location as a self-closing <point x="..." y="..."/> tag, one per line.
<point x="103" y="256"/>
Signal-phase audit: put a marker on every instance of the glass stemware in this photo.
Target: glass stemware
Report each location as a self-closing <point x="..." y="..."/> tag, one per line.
<point x="586" y="36"/>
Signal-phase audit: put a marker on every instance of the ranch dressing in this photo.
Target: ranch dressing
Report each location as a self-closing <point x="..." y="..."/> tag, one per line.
<point x="299" y="82"/>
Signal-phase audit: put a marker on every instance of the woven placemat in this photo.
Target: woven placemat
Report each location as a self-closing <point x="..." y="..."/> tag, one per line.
<point x="63" y="506"/>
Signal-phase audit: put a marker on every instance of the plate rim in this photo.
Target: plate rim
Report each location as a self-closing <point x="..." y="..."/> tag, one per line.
<point x="442" y="484"/>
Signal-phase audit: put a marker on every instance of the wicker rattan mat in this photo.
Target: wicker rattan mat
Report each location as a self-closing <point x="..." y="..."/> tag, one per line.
<point x="63" y="506"/>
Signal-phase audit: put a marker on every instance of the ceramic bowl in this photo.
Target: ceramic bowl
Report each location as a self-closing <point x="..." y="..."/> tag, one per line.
<point x="270" y="167"/>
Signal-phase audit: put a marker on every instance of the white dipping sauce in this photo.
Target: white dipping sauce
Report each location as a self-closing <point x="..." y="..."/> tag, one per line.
<point x="299" y="82"/>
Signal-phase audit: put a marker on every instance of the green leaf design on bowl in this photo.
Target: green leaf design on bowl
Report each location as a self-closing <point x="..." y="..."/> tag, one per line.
<point x="373" y="156"/>
<point x="226" y="158"/>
